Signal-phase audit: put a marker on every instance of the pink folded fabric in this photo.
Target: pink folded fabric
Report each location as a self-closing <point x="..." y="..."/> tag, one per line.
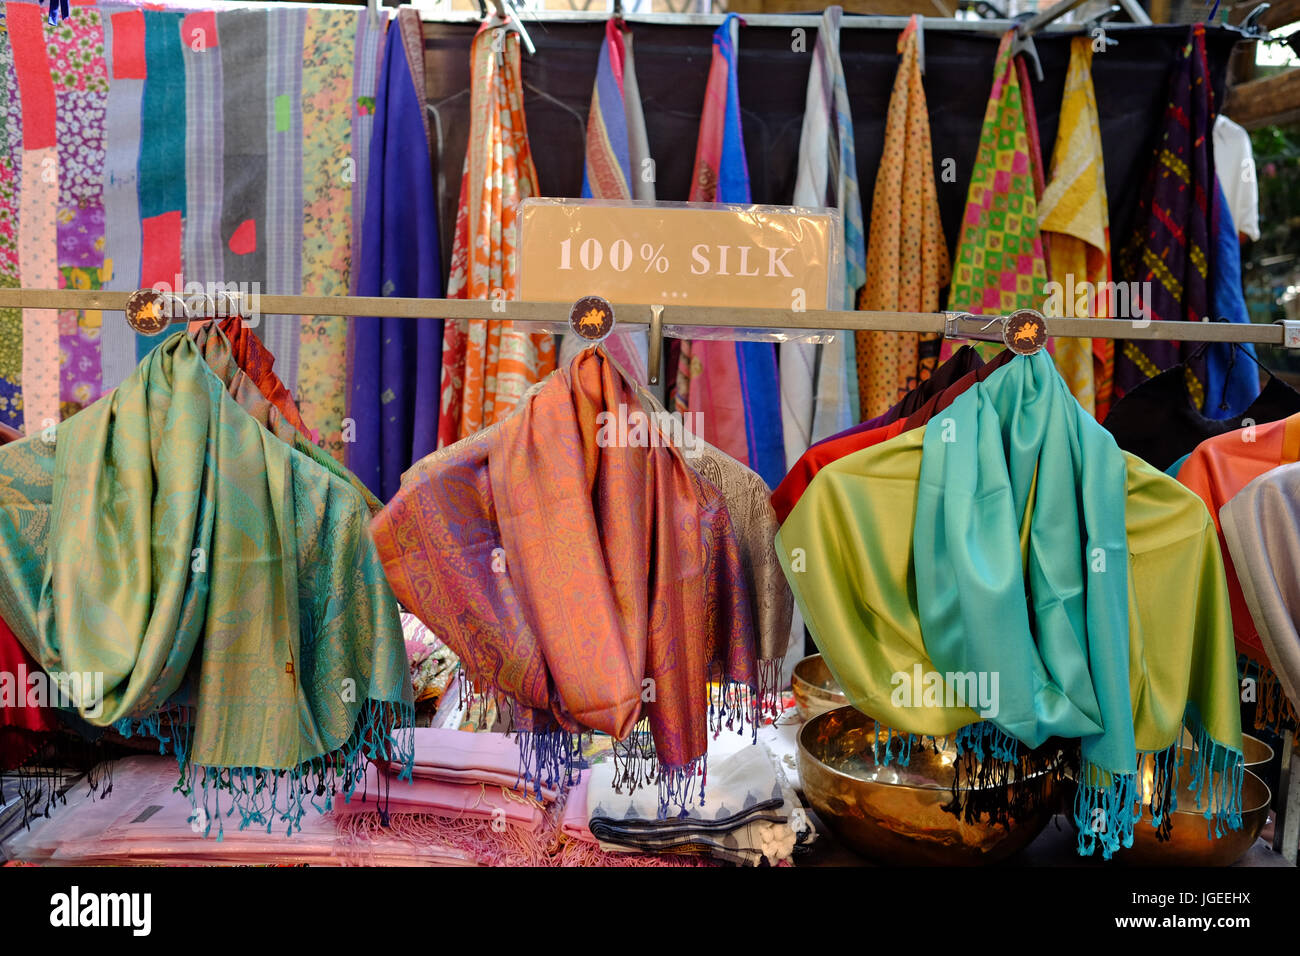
<point x="574" y="824"/>
<point x="143" y="822"/>
<point x="457" y="756"/>
<point x="439" y="798"/>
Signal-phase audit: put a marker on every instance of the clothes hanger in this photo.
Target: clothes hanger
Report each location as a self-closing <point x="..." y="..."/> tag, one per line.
<point x="1237" y="347"/>
<point x="1096" y="27"/>
<point x="508" y="13"/>
<point x="554" y="101"/>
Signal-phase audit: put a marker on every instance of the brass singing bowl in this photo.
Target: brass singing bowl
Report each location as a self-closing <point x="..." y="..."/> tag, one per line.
<point x="894" y="815"/>
<point x="815" y="688"/>
<point x="1191" y="841"/>
<point x="1255" y="750"/>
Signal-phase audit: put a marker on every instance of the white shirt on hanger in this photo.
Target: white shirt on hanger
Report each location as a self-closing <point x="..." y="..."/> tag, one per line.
<point x="1234" y="162"/>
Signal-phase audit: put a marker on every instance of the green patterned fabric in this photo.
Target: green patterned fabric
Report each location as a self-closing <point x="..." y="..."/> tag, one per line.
<point x="224" y="584"/>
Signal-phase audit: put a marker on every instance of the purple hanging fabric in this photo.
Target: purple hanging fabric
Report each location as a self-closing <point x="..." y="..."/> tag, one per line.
<point x="396" y="364"/>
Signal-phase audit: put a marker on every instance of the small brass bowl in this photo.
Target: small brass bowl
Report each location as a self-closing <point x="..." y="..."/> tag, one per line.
<point x="1190" y="841"/>
<point x="815" y="688"/>
<point x="894" y="815"/>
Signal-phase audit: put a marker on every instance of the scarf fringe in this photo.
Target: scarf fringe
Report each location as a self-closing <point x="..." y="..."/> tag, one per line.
<point x="384" y="731"/>
<point x="736" y="705"/>
<point x="1274" y="711"/>
<point x="1222" y="793"/>
<point x="769" y="687"/>
<point x="548" y="758"/>
<point x="994" y="777"/>
<point x="1106" y="808"/>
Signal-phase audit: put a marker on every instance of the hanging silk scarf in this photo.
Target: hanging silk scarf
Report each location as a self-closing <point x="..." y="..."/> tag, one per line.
<point x="571" y="573"/>
<point x="815" y="396"/>
<point x="487" y="365"/>
<point x="1074" y="211"/>
<point x="907" y="256"/>
<point x="396" y="364"/>
<point x="257" y="386"/>
<point x="999" y="265"/>
<point x="266" y="639"/>
<point x="733" y="385"/>
<point x="1260" y="525"/>
<point x="1169" y="249"/>
<point x="616" y="166"/>
<point x="792" y="487"/>
<point x="1072" y="614"/>
<point x="1217" y="470"/>
<point x="1231" y="373"/>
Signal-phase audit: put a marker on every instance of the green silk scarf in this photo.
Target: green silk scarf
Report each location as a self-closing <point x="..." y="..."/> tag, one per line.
<point x="999" y="539"/>
<point x="223" y="583"/>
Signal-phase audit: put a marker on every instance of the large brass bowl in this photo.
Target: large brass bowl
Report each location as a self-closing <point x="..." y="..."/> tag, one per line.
<point x="1190" y="842"/>
<point x="815" y="688"/>
<point x="894" y="815"/>
<point x="1253" y="749"/>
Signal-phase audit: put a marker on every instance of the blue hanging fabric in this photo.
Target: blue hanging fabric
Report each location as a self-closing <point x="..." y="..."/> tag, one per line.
<point x="396" y="364"/>
<point x="1231" y="379"/>
<point x="756" y="360"/>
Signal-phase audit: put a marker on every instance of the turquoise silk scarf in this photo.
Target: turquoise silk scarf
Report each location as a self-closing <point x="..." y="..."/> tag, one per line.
<point x="1022" y="572"/>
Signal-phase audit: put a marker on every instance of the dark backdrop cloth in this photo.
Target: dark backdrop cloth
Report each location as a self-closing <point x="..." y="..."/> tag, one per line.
<point x="1131" y="81"/>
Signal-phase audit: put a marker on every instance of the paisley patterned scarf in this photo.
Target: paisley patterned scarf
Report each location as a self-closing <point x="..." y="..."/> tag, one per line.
<point x="224" y="585"/>
<point x="592" y="582"/>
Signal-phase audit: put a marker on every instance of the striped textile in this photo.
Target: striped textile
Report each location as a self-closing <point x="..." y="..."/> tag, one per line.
<point x="122" y="122"/>
<point x="827" y="177"/>
<point x="283" y="234"/>
<point x="201" y="244"/>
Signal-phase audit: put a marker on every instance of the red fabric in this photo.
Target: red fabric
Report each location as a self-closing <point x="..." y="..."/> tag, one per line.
<point x="32" y="67"/>
<point x="1219" y="468"/>
<point x="244" y="239"/>
<point x="22" y="728"/>
<point x="128" y="47"/>
<point x="200" y="27"/>
<point x="160" y="252"/>
<point x="817" y="457"/>
<point x="257" y="362"/>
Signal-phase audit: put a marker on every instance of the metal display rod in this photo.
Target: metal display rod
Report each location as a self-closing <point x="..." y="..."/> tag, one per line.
<point x="788" y="20"/>
<point x="955" y="325"/>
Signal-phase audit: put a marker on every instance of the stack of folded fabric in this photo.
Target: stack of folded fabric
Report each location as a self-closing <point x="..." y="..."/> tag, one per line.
<point x="144" y="822"/>
<point x="746" y="814"/>
<point x="466" y="797"/>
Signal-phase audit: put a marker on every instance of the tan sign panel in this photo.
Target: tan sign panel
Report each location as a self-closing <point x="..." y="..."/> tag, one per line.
<point x="677" y="253"/>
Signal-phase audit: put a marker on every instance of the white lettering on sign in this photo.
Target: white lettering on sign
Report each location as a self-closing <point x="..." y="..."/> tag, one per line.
<point x="703" y="256"/>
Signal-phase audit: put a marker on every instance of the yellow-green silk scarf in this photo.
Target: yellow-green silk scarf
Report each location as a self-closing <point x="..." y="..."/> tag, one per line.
<point x="223" y="583"/>
<point x="849" y="553"/>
